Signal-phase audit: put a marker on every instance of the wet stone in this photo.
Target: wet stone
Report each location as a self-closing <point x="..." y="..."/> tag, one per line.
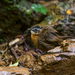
<point x="57" y="63"/>
<point x="14" y="71"/>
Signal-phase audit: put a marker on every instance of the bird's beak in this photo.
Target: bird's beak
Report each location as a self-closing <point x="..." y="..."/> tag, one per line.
<point x="32" y="32"/>
<point x="30" y="29"/>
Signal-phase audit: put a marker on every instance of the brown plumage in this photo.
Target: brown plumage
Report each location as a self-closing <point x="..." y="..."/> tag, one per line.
<point x="47" y="38"/>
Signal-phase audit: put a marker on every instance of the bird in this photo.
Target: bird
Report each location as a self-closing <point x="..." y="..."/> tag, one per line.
<point x="46" y="38"/>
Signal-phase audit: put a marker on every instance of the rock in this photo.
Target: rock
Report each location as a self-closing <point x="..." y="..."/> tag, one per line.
<point x="57" y="63"/>
<point x="14" y="71"/>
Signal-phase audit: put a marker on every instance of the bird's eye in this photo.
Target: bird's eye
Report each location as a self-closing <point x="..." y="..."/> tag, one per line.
<point x="35" y="29"/>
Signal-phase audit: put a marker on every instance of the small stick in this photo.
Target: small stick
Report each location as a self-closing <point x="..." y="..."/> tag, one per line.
<point x="9" y="48"/>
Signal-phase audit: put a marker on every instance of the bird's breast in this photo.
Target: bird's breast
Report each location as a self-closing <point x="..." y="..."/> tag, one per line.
<point x="35" y="39"/>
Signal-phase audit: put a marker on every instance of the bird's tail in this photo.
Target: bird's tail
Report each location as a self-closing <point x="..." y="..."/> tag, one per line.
<point x="65" y="37"/>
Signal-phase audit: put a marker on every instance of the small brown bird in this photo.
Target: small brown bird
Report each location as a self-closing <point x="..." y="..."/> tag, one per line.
<point x="46" y="38"/>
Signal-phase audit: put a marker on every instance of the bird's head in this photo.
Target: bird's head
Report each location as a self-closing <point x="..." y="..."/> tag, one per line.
<point x="35" y="29"/>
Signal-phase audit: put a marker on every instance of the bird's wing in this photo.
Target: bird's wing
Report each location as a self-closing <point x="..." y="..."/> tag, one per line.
<point x="52" y="30"/>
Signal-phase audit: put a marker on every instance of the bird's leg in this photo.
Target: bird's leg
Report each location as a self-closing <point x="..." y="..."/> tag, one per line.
<point x="38" y="50"/>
